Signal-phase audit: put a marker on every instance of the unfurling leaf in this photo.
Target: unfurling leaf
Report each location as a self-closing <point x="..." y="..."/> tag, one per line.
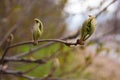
<point x="88" y="28"/>
<point x="37" y="30"/>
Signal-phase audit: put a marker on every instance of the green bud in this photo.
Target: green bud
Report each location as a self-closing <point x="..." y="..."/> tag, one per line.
<point x="88" y="28"/>
<point x="37" y="30"/>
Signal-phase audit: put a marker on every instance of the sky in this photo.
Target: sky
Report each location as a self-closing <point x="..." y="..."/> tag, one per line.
<point x="77" y="10"/>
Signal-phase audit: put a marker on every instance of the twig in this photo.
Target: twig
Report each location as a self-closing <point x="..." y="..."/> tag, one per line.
<point x="45" y="45"/>
<point x="7" y="35"/>
<point x="4" y="54"/>
<point x="21" y="74"/>
<point x="39" y="61"/>
<point x="31" y="42"/>
<point x="16" y="73"/>
<point x="43" y="40"/>
<point x="9" y="41"/>
<point x="105" y="8"/>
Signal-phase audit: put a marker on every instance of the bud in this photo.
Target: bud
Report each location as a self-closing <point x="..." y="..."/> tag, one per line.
<point x="55" y="63"/>
<point x="10" y="38"/>
<point x="88" y="28"/>
<point x="37" y="30"/>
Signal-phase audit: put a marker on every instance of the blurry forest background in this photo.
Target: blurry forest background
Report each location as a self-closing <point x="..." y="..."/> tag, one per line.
<point x="98" y="60"/>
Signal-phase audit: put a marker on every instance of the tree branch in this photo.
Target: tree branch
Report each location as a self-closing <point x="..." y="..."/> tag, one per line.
<point x="45" y="45"/>
<point x="8" y="33"/>
<point x="16" y="73"/>
<point x="21" y="74"/>
<point x="105" y="8"/>
<point x="43" y="40"/>
<point x="39" y="61"/>
<point x="32" y="42"/>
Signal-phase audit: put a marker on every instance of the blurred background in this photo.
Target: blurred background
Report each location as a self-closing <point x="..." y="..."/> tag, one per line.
<point x="98" y="60"/>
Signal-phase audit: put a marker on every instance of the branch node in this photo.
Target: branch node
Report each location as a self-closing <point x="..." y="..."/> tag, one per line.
<point x="80" y="42"/>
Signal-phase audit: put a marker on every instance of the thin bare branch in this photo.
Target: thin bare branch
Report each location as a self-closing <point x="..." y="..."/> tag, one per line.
<point x="21" y="74"/>
<point x="43" y="40"/>
<point x="39" y="61"/>
<point x="16" y="73"/>
<point x="105" y="8"/>
<point x="45" y="45"/>
<point x="31" y="42"/>
<point x="7" y="35"/>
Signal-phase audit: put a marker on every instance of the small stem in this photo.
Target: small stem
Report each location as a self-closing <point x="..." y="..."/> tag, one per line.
<point x="105" y="8"/>
<point x="16" y="73"/>
<point x="5" y="52"/>
<point x="31" y="42"/>
<point x="39" y="61"/>
<point x="3" y="56"/>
